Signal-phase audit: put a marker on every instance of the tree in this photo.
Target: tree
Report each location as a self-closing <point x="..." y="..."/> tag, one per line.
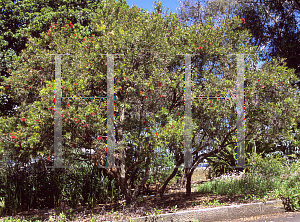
<point x="21" y="20"/>
<point x="148" y="80"/>
<point x="274" y="25"/>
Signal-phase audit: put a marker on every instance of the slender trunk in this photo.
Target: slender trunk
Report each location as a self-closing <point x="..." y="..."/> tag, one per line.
<point x="173" y="174"/>
<point x="166" y="183"/>
<point x="189" y="173"/>
<point x="143" y="182"/>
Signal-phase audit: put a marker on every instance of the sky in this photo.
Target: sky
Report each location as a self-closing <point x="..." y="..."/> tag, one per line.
<point x="149" y="4"/>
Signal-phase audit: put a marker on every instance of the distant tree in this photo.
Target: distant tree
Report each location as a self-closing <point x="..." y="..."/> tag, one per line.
<point x="274" y="25"/>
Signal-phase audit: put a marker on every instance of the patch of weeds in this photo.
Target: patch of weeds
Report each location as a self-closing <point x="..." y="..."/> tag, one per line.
<point x="175" y="208"/>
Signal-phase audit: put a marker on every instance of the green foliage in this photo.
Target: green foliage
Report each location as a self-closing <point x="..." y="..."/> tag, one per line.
<point x="22" y="20"/>
<point x="271" y="177"/>
<point x="289" y="189"/>
<point x="149" y="106"/>
<point x="262" y="179"/>
<point x="36" y="187"/>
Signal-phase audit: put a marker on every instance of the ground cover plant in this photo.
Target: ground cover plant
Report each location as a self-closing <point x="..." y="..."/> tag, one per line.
<point x="269" y="178"/>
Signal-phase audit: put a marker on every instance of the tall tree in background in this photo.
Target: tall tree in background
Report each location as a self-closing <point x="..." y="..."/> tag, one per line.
<point x="274" y="25"/>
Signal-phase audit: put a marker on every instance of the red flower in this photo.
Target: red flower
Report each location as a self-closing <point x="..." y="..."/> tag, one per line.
<point x="209" y="43"/>
<point x="71" y="25"/>
<point x="243" y="19"/>
<point x="62" y="115"/>
<point x="90" y="64"/>
<point x="146" y="97"/>
<point x="126" y="79"/>
<point x="156" y="133"/>
<point x="258" y="80"/>
<point x="48" y="158"/>
<point x="83" y="39"/>
<point x="30" y="87"/>
<point x="159" y="84"/>
<point x="200" y="47"/>
<point x="177" y="113"/>
<point x="68" y="105"/>
<point x="172" y="126"/>
<point x="99" y="138"/>
<point x="151" y="91"/>
<point x="13" y="137"/>
<point x="63" y="87"/>
<point x="37" y="120"/>
<point x="77" y="121"/>
<point x="74" y="34"/>
<point x="54" y="101"/>
<point x="145" y="122"/>
<point x="6" y="87"/>
<point x="160" y="96"/>
<point x="75" y="83"/>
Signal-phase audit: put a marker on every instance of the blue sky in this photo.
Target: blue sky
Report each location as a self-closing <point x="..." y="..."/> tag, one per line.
<point x="149" y="4"/>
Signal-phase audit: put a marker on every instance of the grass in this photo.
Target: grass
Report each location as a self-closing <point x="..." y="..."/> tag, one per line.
<point x="269" y="179"/>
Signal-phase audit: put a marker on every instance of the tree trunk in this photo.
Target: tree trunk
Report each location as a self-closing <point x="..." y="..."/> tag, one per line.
<point x="188" y="175"/>
<point x="170" y="178"/>
<point x="166" y="183"/>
